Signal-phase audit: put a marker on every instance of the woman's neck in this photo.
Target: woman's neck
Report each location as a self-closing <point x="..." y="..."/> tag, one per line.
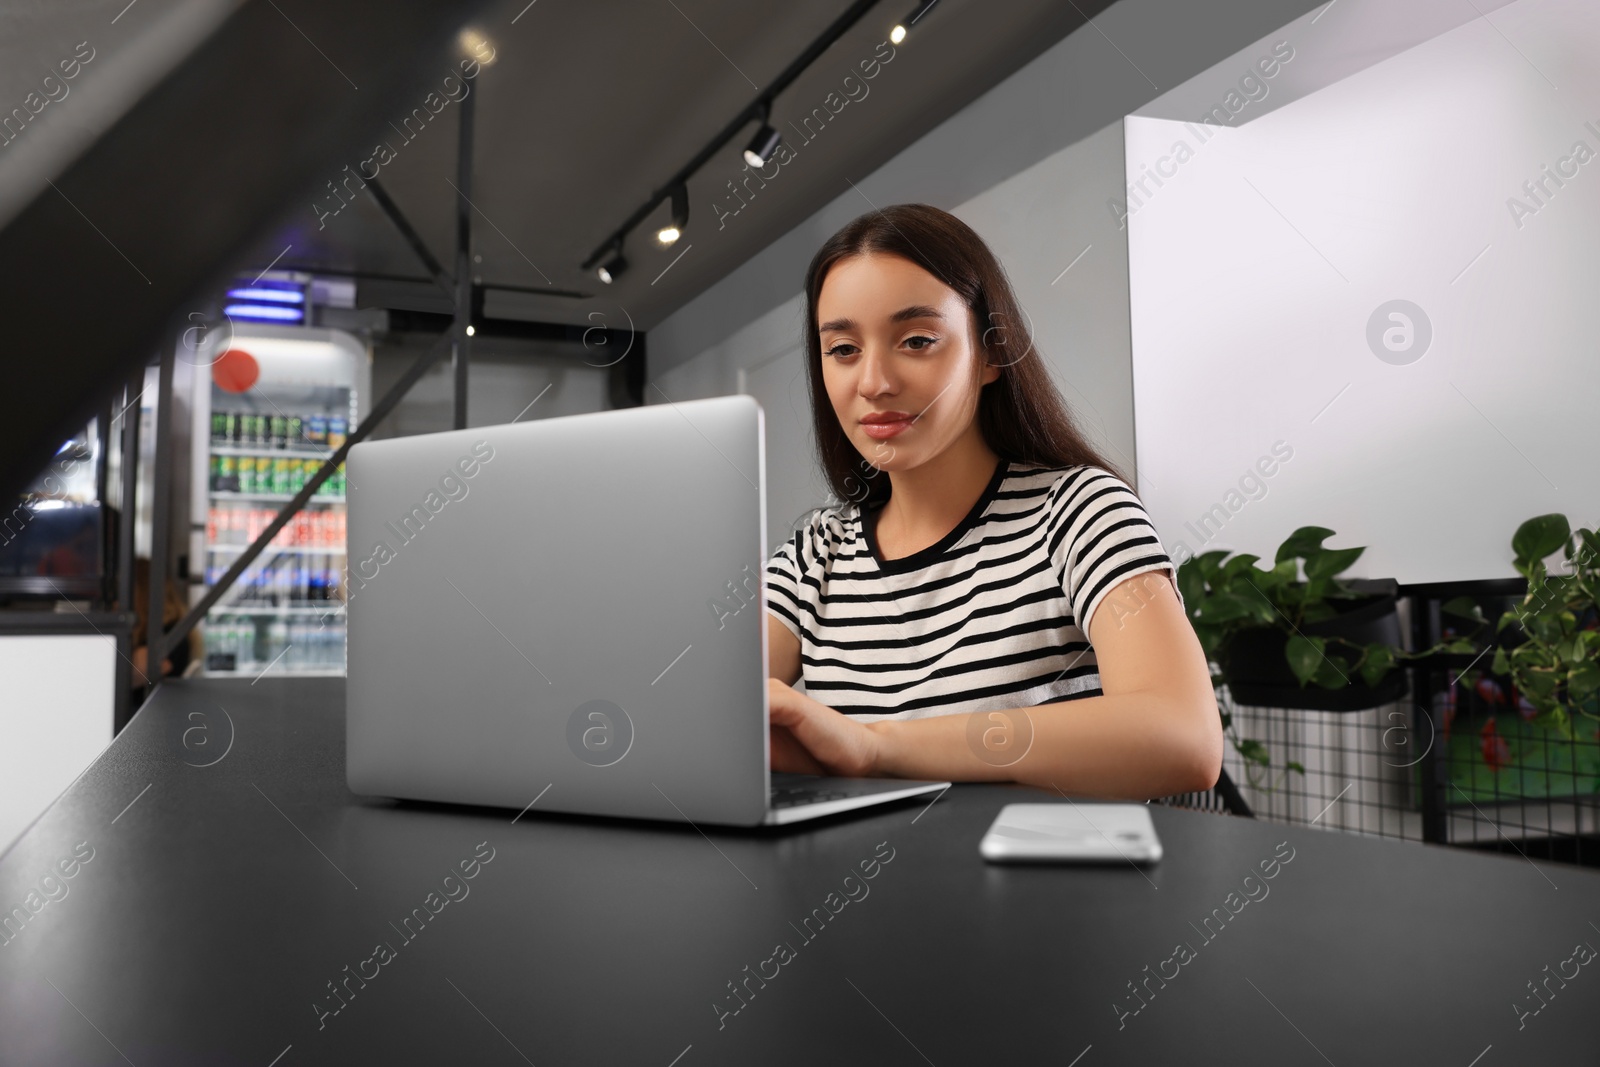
<point x="927" y="501"/>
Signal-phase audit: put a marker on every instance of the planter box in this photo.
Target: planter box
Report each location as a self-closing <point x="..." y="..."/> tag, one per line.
<point x="1259" y="675"/>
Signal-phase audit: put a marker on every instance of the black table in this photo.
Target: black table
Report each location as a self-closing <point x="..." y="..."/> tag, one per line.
<point x="236" y="894"/>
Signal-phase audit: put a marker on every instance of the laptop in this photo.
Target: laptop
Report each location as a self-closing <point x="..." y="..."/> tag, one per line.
<point x="569" y="615"/>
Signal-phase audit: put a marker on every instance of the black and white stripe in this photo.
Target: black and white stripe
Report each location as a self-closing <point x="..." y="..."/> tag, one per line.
<point x="995" y="615"/>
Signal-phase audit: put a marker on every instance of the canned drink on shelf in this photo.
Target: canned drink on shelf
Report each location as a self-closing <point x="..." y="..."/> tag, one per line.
<point x="317" y="430"/>
<point x="247" y="474"/>
<point x="338" y="429"/>
<point x="277" y="428"/>
<point x="294" y="431"/>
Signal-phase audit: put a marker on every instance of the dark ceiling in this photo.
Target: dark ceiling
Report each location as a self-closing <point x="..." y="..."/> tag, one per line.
<point x="174" y="158"/>
<point x="588" y="108"/>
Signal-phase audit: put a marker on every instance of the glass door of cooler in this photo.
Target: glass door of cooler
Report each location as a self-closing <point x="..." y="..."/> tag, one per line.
<point x="280" y="401"/>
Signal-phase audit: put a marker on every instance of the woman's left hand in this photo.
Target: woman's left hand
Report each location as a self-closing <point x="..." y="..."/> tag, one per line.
<point x="812" y="738"/>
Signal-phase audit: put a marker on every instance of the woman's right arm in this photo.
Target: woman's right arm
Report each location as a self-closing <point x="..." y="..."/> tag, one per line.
<point x="783" y="652"/>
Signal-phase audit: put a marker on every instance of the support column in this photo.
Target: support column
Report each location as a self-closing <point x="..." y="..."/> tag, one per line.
<point x="461" y="341"/>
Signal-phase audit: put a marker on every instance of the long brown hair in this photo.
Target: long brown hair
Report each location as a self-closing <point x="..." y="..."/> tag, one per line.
<point x="1021" y="414"/>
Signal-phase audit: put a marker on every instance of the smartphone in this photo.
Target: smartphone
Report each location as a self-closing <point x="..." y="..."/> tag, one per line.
<point x="1072" y="833"/>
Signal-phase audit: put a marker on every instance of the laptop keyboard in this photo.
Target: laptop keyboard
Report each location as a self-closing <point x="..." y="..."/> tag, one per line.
<point x="791" y="796"/>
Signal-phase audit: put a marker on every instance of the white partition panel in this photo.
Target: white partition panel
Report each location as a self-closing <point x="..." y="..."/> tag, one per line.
<point x="56" y="717"/>
<point x="1373" y="308"/>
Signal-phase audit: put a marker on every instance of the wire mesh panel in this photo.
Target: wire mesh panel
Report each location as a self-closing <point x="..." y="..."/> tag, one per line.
<point x="1464" y="758"/>
<point x="1509" y="784"/>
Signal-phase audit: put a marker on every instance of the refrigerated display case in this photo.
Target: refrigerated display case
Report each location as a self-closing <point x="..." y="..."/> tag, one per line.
<point x="258" y="436"/>
<point x="53" y="538"/>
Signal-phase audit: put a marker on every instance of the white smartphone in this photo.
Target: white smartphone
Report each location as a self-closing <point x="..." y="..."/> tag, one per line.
<point x="1072" y="833"/>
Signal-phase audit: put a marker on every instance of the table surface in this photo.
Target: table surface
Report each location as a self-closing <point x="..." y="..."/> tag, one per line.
<point x="235" y="893"/>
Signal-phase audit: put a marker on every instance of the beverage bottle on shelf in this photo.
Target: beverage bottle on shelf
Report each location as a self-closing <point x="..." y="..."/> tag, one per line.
<point x="319" y="580"/>
<point x="338" y="429"/>
<point x="277" y="638"/>
<point x="240" y="641"/>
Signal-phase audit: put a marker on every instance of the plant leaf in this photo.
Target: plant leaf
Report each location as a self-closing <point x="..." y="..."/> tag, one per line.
<point x="1302" y="542"/>
<point x="1210" y="564"/>
<point x="1331" y="561"/>
<point x="1540" y="536"/>
<point x="1224" y="607"/>
<point x="1305" y="655"/>
<point x="1377" y="663"/>
<point x="1254" y="751"/>
<point x="1333" y="673"/>
<point x="1240" y="564"/>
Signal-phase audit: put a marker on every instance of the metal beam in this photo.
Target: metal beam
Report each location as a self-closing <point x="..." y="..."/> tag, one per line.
<point x="126" y="503"/>
<point x="160" y="522"/>
<point x="441" y="277"/>
<point x="379" y="412"/>
<point x="102" y="485"/>
<point x="461" y="340"/>
<point x="123" y="227"/>
<point x="753" y="111"/>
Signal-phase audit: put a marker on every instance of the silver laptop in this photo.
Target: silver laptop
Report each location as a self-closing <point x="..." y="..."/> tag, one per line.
<point x="570" y="614"/>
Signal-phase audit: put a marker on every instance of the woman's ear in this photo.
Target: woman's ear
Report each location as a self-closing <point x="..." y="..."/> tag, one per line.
<point x="991" y="372"/>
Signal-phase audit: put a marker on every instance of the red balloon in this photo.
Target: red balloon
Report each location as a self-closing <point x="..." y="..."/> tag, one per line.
<point x="235" y="370"/>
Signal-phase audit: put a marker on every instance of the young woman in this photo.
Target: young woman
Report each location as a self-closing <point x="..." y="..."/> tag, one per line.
<point x="990" y="602"/>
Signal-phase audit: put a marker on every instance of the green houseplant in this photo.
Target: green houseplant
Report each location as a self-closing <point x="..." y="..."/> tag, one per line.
<point x="1296" y="634"/>
<point x="1557" y="664"/>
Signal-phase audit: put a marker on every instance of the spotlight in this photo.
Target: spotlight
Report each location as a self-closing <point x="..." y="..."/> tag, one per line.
<point x="612" y="268"/>
<point x="670" y="233"/>
<point x="898" y="34"/>
<point x="474" y="44"/>
<point x="470" y="330"/>
<point x="764" y="143"/>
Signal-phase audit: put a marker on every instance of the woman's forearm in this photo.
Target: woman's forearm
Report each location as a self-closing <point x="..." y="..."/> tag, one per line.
<point x="1127" y="746"/>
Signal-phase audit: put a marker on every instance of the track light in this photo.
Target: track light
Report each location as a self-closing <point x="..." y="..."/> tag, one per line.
<point x="898" y="34"/>
<point x="612" y="268"/>
<point x="765" y="142"/>
<point x="670" y="233"/>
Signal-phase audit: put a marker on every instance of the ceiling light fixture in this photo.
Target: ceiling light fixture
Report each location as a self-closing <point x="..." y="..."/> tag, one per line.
<point x="474" y="44"/>
<point x="765" y="142"/>
<point x="900" y="30"/>
<point x="613" y="267"/>
<point x="759" y="151"/>
<point x="670" y="233"/>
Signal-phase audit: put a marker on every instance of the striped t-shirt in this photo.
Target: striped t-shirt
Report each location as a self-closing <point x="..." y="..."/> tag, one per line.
<point x="994" y="615"/>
